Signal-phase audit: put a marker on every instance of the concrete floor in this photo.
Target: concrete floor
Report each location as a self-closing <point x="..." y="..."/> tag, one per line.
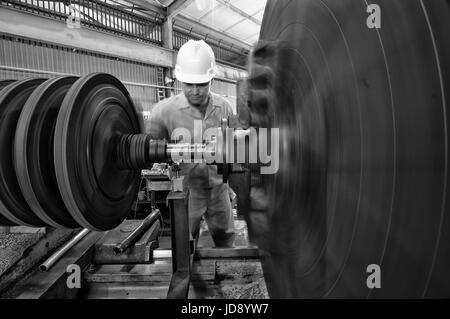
<point x="12" y="247"/>
<point x="235" y="278"/>
<point x="20" y="252"/>
<point x="214" y="276"/>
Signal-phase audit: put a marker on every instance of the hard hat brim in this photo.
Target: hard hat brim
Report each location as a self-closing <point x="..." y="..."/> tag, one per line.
<point x="193" y="78"/>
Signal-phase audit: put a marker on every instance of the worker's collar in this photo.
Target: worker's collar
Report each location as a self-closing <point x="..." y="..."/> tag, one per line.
<point x="184" y="104"/>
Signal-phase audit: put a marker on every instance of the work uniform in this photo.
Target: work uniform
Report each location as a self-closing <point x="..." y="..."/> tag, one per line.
<point x="208" y="195"/>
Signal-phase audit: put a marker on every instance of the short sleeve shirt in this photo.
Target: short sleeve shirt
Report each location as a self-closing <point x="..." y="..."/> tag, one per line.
<point x="176" y="112"/>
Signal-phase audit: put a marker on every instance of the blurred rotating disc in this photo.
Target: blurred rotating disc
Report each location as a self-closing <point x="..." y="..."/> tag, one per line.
<point x="363" y="171"/>
<point x="4" y="83"/>
<point x="33" y="149"/>
<point x="3" y="220"/>
<point x="12" y="203"/>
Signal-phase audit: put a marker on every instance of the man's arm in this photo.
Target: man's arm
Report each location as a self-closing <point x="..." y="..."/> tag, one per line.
<point x="228" y="112"/>
<point x="155" y="126"/>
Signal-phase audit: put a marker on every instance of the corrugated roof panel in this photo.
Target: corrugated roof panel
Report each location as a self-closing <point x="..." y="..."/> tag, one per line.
<point x="221" y="18"/>
<point x="244" y="30"/>
<point x="224" y="18"/>
<point x="200" y="7"/>
<point x="259" y="15"/>
<point x="253" y="39"/>
<point x="249" y="6"/>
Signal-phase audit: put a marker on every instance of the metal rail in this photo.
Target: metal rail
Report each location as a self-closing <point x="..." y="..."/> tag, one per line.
<point x="11" y="68"/>
<point x="96" y="14"/>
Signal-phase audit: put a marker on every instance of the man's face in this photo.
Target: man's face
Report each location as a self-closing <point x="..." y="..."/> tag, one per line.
<point x="196" y="94"/>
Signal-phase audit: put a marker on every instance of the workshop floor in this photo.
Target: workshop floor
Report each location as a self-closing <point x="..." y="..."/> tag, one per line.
<point x="215" y="276"/>
<point x="235" y="278"/>
<point x="242" y="239"/>
<point x="12" y="247"/>
<point x="22" y="249"/>
<point x="230" y="273"/>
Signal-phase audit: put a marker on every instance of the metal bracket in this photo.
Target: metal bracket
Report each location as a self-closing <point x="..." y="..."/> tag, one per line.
<point x="182" y="248"/>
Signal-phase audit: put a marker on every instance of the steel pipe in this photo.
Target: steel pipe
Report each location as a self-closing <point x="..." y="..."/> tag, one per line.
<point x="130" y="239"/>
<point x="45" y="266"/>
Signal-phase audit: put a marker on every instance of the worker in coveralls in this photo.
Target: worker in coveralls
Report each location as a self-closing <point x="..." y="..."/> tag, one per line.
<point x="208" y="195"/>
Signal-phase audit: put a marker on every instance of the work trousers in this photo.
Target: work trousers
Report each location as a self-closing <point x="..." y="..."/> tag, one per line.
<point x="213" y="203"/>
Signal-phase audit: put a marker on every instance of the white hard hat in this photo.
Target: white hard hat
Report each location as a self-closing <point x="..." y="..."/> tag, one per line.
<point x="195" y="63"/>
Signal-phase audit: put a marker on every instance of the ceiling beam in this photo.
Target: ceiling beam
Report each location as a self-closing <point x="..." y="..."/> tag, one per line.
<point x="186" y="23"/>
<point x="177" y="7"/>
<point x="149" y="6"/>
<point x="23" y="24"/>
<point x="207" y="12"/>
<point x="239" y="11"/>
<point x="253" y="35"/>
<point x="234" y="24"/>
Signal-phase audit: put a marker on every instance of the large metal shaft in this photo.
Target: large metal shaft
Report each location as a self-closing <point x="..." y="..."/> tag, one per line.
<point x="139" y="151"/>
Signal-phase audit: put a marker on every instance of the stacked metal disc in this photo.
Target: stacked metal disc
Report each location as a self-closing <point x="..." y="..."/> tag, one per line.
<point x="58" y="139"/>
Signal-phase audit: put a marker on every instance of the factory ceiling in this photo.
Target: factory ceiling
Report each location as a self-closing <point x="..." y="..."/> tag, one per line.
<point x="236" y="19"/>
